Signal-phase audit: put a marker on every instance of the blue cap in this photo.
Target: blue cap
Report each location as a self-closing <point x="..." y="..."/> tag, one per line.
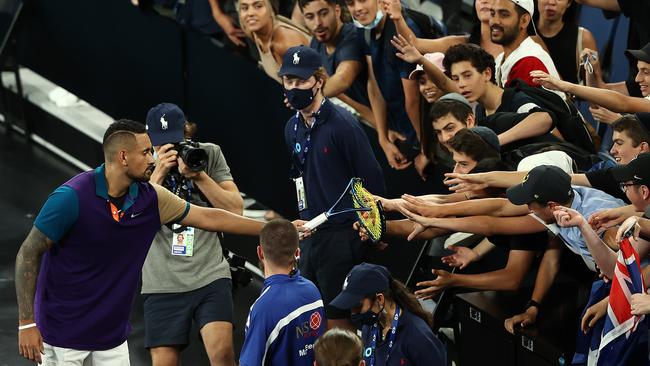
<point x="166" y="124"/>
<point x="363" y="279"/>
<point x="488" y="136"/>
<point x="300" y="61"/>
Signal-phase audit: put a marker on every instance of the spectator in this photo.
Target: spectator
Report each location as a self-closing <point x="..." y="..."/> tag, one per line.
<point x="509" y="25"/>
<point x="337" y="44"/>
<point x="272" y="34"/>
<point x="395" y="329"/>
<point x="428" y="89"/>
<point x="338" y="347"/>
<point x="289" y="303"/>
<point x="563" y="36"/>
<point x="394" y="99"/>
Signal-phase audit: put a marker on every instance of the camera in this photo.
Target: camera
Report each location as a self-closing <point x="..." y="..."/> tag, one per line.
<point x="240" y="275"/>
<point x="193" y="156"/>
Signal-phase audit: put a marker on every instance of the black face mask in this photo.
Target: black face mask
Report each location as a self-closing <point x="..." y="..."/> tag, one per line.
<point x="368" y="318"/>
<point x="300" y="99"/>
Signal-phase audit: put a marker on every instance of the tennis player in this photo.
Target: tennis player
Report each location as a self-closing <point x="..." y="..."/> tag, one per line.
<point x="328" y="147"/>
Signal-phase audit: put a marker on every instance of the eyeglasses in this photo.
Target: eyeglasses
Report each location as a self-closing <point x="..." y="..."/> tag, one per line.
<point x="625" y="185"/>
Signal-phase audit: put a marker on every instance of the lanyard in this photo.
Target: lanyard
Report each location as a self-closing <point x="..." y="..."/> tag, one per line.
<point x="391" y="338"/>
<point x="180" y="187"/>
<point x="297" y="148"/>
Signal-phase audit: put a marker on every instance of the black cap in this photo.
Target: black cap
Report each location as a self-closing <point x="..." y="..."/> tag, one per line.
<point x="165" y="124"/>
<point x="488" y="136"/>
<point x="637" y="170"/>
<point x="543" y="184"/>
<point x="363" y="279"/>
<point x="644" y="118"/>
<point x="642" y="54"/>
<point x="300" y="61"/>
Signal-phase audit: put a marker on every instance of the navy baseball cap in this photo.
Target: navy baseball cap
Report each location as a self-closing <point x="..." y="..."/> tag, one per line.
<point x="300" y="61"/>
<point x="363" y="279"/>
<point x="488" y="136"/>
<point x="642" y="54"/>
<point x="543" y="184"/>
<point x="637" y="170"/>
<point x="166" y="124"/>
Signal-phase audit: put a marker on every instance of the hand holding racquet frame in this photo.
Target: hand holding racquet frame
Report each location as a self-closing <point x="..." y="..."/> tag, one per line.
<point x="369" y="212"/>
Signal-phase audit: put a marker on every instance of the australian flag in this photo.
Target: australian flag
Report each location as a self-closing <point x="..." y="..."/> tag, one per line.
<point x="625" y="336"/>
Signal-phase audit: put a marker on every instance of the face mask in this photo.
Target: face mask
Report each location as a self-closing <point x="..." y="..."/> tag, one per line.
<point x="368" y="318"/>
<point x="378" y="18"/>
<point x="300" y="99"/>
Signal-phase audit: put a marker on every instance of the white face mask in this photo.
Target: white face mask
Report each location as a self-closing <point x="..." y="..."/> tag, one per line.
<point x="378" y="18"/>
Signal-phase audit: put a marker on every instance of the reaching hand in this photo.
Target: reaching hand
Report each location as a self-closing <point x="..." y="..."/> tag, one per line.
<point x="549" y="82"/>
<point x="363" y="234"/>
<point x="395" y="158"/>
<point x="626" y="225"/>
<point x="567" y="217"/>
<point x="640" y="304"/>
<point x="522" y="320"/>
<point x="461" y="258"/>
<point x="589" y="58"/>
<point x="421" y="162"/>
<point x="604" y="115"/>
<point x="461" y="183"/>
<point x="420" y="206"/>
<point x="30" y="344"/>
<point x="185" y="171"/>
<point x="593" y="314"/>
<point x="394" y="136"/>
<point x="604" y="219"/>
<point x="302" y="231"/>
<point x="406" y="50"/>
<point x="232" y="31"/>
<point x="392" y="8"/>
<point x="443" y="280"/>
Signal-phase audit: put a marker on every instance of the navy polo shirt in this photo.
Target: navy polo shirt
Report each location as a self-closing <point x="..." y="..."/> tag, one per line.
<point x="415" y="344"/>
<point x="339" y="150"/>
<point x="347" y="49"/>
<point x="89" y="277"/>
<point x="389" y="71"/>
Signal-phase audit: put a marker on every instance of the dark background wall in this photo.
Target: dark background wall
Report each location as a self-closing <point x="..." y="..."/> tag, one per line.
<point x="124" y="61"/>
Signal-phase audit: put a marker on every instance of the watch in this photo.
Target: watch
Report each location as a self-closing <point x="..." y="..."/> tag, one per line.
<point x="532" y="303"/>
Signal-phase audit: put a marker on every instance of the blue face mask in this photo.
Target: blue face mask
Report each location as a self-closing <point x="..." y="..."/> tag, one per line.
<point x="378" y="18"/>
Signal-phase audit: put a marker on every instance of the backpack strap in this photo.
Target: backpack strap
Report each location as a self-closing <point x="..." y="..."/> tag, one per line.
<point x="579" y="48"/>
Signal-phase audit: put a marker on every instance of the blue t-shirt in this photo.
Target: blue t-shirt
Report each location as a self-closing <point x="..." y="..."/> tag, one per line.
<point x="415" y="344"/>
<point x="338" y="151"/>
<point x="283" y="324"/>
<point x="389" y="71"/>
<point x="347" y="49"/>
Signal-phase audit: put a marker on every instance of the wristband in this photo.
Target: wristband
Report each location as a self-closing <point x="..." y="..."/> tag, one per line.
<point x="532" y="303"/>
<point x="26" y="326"/>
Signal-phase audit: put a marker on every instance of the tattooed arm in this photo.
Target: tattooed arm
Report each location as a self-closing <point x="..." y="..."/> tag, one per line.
<point x="28" y="262"/>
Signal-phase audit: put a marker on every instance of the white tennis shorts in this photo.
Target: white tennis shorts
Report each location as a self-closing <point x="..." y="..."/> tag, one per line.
<point x="58" y="356"/>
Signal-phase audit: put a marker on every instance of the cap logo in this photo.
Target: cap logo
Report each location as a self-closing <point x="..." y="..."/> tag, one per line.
<point x="525" y="178"/>
<point x="637" y="177"/>
<point x="163" y="122"/>
<point x="345" y="283"/>
<point x="296" y="58"/>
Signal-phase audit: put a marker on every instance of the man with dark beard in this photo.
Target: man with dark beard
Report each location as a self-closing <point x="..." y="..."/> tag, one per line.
<point x="509" y="23"/>
<point x="93" y="235"/>
<point x="338" y="46"/>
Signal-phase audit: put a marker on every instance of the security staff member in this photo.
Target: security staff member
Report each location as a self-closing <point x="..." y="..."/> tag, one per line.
<point x="395" y="328"/>
<point x="288" y="317"/>
<point x="328" y="147"/>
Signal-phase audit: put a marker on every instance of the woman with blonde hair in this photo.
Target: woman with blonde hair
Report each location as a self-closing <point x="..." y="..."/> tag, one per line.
<point x="273" y="34"/>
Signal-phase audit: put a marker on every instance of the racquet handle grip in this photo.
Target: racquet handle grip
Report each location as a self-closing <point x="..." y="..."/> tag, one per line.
<point x="315" y="222"/>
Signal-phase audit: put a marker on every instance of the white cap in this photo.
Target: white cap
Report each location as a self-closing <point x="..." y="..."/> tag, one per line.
<point x="556" y="158"/>
<point x="435" y="58"/>
<point x="528" y="5"/>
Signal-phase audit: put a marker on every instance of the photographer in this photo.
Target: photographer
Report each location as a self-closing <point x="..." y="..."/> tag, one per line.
<point x="190" y="278"/>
